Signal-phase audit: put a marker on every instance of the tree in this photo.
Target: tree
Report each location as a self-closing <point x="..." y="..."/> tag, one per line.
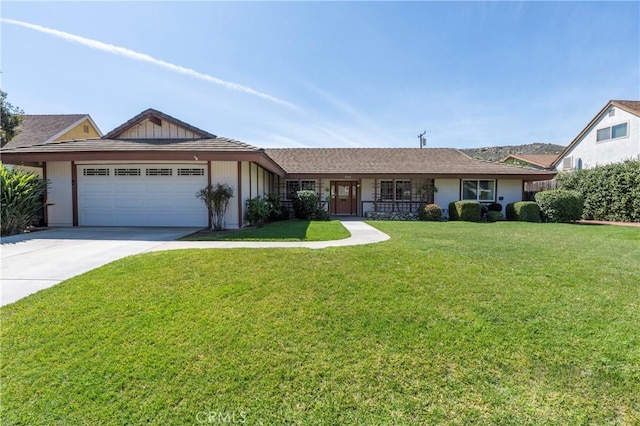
<point x="216" y="198"/>
<point x="11" y="118"/>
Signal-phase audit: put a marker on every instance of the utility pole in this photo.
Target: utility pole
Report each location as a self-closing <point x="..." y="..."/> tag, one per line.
<point x="423" y="140"/>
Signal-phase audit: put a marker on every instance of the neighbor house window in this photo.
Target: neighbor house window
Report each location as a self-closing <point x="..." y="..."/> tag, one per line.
<point x="613" y="132"/>
<point x="479" y="190"/>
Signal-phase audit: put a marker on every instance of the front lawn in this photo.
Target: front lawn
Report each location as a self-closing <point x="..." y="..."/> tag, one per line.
<point x="288" y="230"/>
<point x="508" y="323"/>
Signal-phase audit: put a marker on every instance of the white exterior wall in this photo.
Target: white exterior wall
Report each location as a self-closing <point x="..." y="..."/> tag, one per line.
<point x="28" y="169"/>
<point x="59" y="193"/>
<point x="448" y="191"/>
<point x="511" y="190"/>
<point x="226" y="172"/>
<point x="592" y="153"/>
<point x="367" y="193"/>
<point x="246" y="186"/>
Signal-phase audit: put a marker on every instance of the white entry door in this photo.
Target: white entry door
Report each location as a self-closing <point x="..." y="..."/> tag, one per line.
<point x="141" y="195"/>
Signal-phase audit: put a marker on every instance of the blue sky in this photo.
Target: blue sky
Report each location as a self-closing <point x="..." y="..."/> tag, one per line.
<point x="358" y="74"/>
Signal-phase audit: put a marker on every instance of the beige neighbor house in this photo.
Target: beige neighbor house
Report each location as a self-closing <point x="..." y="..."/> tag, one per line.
<point x="613" y="135"/>
<point x="146" y="173"/>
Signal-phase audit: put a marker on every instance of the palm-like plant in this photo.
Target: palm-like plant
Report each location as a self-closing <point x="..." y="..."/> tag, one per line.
<point x="216" y="198"/>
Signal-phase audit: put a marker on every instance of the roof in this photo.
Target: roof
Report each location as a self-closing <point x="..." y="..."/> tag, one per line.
<point x="40" y="129"/>
<point x="162" y="116"/>
<point x="540" y="160"/>
<point x="218" y="144"/>
<point x="632" y="107"/>
<point x="380" y="161"/>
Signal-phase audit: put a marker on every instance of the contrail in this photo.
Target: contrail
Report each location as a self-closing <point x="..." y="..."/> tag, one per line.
<point x="132" y="54"/>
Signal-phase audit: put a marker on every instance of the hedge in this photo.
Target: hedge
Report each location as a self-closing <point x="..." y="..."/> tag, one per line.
<point x="469" y="211"/>
<point x="494" y="216"/>
<point x="560" y="205"/>
<point x="305" y="204"/>
<point x="611" y="192"/>
<point x="523" y="211"/>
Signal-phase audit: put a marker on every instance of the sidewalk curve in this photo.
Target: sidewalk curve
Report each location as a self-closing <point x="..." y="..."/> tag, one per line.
<point x="361" y="234"/>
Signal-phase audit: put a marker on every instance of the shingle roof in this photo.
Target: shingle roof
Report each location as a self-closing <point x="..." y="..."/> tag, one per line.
<point x="158" y="114"/>
<point x="541" y="160"/>
<point x="110" y="145"/>
<point x="630" y="106"/>
<point x="386" y="161"/>
<point x="37" y="129"/>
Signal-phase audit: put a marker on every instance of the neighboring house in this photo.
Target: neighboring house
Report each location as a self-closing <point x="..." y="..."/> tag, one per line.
<point x="535" y="161"/>
<point x="613" y="135"/>
<point x="45" y="129"/>
<point x="146" y="173"/>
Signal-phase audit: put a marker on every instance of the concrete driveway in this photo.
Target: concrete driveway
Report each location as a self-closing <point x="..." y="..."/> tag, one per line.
<point x="35" y="261"/>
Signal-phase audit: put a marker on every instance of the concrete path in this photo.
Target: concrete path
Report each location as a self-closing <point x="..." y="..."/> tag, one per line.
<point x="35" y="261"/>
<point x="38" y="260"/>
<point x="361" y="233"/>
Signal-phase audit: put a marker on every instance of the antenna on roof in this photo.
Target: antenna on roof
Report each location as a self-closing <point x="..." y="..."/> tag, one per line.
<point x="423" y="140"/>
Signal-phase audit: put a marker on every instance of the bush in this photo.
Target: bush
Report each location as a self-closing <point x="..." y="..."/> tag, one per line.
<point x="611" y="192"/>
<point x="495" y="207"/>
<point x="494" y="216"/>
<point x="20" y="199"/>
<point x="469" y="211"/>
<point x="305" y="204"/>
<point x="257" y="211"/>
<point x="275" y="211"/>
<point x="431" y="212"/>
<point x="560" y="205"/>
<point x="321" y="214"/>
<point x="523" y="211"/>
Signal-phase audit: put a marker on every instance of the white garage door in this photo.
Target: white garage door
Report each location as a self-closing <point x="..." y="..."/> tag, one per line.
<point x="141" y="195"/>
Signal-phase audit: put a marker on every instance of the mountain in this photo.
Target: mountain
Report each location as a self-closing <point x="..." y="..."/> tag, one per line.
<point x="497" y="153"/>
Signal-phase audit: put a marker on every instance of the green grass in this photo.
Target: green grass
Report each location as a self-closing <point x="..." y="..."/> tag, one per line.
<point x="289" y="230"/>
<point x="505" y="323"/>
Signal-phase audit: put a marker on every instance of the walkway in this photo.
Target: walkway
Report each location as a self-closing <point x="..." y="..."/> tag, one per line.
<point x="361" y="234"/>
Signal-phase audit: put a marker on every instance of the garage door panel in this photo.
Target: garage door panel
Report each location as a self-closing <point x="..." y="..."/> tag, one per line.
<point x="158" y="196"/>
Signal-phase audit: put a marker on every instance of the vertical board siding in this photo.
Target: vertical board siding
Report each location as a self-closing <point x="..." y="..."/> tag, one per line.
<point x="60" y="193"/>
<point x="226" y="172"/>
<point x="246" y="186"/>
<point x="147" y="130"/>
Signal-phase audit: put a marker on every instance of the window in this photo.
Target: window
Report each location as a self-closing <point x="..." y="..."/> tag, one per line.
<point x="308" y="185"/>
<point x="95" y="172"/>
<point x="292" y="186"/>
<point x="403" y="190"/>
<point x="126" y="172"/>
<point x="85" y="128"/>
<point x="190" y="172"/>
<point x="613" y="132"/>
<point x="386" y="190"/>
<point x="479" y="190"/>
<point x="159" y="172"/>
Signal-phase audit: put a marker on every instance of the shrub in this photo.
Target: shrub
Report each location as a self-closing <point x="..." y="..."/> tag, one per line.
<point x="321" y="214"/>
<point x="305" y="204"/>
<point x="523" y="211"/>
<point x="495" y="207"/>
<point x="469" y="211"/>
<point x="611" y="192"/>
<point x="453" y="212"/>
<point x="494" y="216"/>
<point x="275" y="211"/>
<point x="21" y="199"/>
<point x="257" y="211"/>
<point x="560" y="205"/>
<point x="431" y="212"/>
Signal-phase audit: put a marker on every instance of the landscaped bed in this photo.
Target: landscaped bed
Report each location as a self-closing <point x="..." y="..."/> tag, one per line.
<point x="509" y="323"/>
<point x="288" y="230"/>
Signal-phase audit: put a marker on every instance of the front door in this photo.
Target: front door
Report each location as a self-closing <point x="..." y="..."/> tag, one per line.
<point x="344" y="198"/>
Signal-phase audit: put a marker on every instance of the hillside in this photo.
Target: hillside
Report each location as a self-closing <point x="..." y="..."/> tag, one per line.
<point x="496" y="153"/>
